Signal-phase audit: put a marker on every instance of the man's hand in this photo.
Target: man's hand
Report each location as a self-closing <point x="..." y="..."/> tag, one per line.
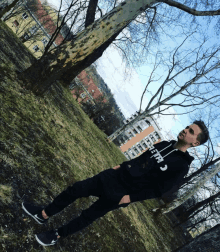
<point x="116" y="167"/>
<point x="125" y="199"/>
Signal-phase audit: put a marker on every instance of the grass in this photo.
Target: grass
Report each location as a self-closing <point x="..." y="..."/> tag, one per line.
<point x="47" y="144"/>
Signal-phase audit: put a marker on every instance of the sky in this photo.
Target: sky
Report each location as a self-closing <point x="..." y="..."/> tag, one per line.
<point x="128" y="91"/>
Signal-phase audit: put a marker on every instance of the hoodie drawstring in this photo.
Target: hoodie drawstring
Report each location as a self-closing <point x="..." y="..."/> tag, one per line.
<point x="165" y="149"/>
<point x="170" y="152"/>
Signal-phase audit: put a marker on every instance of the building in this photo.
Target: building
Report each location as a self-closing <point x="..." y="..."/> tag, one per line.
<point x="138" y="138"/>
<point x="5" y="3"/>
<point x="89" y="91"/>
<point x="34" y="24"/>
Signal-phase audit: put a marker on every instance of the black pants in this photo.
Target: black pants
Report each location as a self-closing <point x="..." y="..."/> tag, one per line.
<point x="106" y="185"/>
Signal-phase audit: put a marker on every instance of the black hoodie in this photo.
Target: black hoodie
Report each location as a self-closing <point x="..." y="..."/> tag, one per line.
<point x="160" y="168"/>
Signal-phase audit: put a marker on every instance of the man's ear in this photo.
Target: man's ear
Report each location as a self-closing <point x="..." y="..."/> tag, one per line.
<point x="197" y="143"/>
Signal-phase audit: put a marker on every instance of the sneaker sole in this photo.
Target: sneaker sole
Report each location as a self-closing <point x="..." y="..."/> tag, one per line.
<point x="31" y="214"/>
<point x="41" y="243"/>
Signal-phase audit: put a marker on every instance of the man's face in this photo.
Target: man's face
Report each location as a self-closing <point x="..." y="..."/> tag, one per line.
<point x="189" y="135"/>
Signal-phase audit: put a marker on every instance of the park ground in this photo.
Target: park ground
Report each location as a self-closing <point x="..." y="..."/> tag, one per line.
<point x="48" y="143"/>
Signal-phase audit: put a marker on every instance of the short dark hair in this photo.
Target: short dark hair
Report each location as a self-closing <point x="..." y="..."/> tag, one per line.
<point x="204" y="135"/>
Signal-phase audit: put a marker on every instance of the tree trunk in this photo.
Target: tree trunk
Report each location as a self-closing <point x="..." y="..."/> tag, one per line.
<point x="177" y="202"/>
<point x="70" y="74"/>
<point x="208" y="242"/>
<point x="90" y="15"/>
<point x="72" y="56"/>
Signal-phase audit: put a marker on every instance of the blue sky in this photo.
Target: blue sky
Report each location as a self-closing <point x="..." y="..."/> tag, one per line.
<point x="127" y="93"/>
<point x="128" y="88"/>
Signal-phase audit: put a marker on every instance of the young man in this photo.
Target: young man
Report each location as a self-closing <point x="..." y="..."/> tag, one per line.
<point x="158" y="170"/>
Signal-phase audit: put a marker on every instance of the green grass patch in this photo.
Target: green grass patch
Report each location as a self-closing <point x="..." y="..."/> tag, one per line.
<point x="48" y="143"/>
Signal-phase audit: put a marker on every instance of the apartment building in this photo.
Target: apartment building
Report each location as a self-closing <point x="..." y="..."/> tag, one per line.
<point x="138" y="138"/>
<point x="89" y="91"/>
<point x="34" y="24"/>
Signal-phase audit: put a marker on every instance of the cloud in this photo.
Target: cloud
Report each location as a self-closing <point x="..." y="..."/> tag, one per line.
<point x="127" y="89"/>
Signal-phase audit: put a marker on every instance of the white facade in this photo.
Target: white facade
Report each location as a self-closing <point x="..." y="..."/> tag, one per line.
<point x="144" y="143"/>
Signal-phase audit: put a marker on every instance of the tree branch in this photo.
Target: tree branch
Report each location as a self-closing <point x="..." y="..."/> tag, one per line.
<point x="190" y="10"/>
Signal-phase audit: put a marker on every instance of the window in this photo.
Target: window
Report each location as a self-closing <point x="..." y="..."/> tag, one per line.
<point x="140" y="147"/>
<point x="144" y="144"/>
<point x="130" y="134"/>
<point x="147" y="122"/>
<point x="25" y="15"/>
<point x="136" y="150"/>
<point x="157" y="135"/>
<point x="152" y="138"/>
<point x="83" y="95"/>
<point x="148" y="141"/>
<point x="125" y="138"/>
<point x="142" y="124"/>
<point x="139" y="128"/>
<point x="36" y="48"/>
<point x="33" y="29"/>
<point x="16" y="24"/>
<point x="25" y="37"/>
<point x="135" y="131"/>
<point x="44" y="41"/>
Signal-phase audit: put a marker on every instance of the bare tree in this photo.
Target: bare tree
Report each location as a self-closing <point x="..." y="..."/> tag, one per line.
<point x="206" y="207"/>
<point x="53" y="21"/>
<point x="8" y="8"/>
<point x="207" y="241"/>
<point x="204" y="210"/>
<point x="177" y="202"/>
<point x="199" y="66"/>
<point x="13" y="11"/>
<point x="26" y="28"/>
<point x="198" y="207"/>
<point x="63" y="18"/>
<point x="75" y="55"/>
